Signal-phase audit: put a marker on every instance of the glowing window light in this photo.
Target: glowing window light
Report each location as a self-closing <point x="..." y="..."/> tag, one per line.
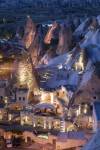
<point x="6" y="100"/>
<point x="52" y="97"/>
<point x="43" y="136"/>
<point x="78" y="112"/>
<point x="10" y="117"/>
<point x="45" y="124"/>
<point x="70" y="128"/>
<point x="1" y="116"/>
<point x="85" y="109"/>
<point x="62" y="126"/>
<point x="1" y="56"/>
<point x="26" y="118"/>
<point x="79" y="65"/>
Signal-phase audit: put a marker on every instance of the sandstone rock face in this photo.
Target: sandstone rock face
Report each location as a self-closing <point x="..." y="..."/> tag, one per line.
<point x="89" y="92"/>
<point x="36" y="47"/>
<point x="65" y="40"/>
<point x="16" y="65"/>
<point x="51" y="33"/>
<point x="29" y="34"/>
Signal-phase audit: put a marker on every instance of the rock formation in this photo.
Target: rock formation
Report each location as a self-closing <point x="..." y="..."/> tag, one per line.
<point x="65" y="40"/>
<point x="29" y="34"/>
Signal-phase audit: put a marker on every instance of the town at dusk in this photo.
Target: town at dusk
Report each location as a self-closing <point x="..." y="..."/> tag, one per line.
<point x="49" y="74"/>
